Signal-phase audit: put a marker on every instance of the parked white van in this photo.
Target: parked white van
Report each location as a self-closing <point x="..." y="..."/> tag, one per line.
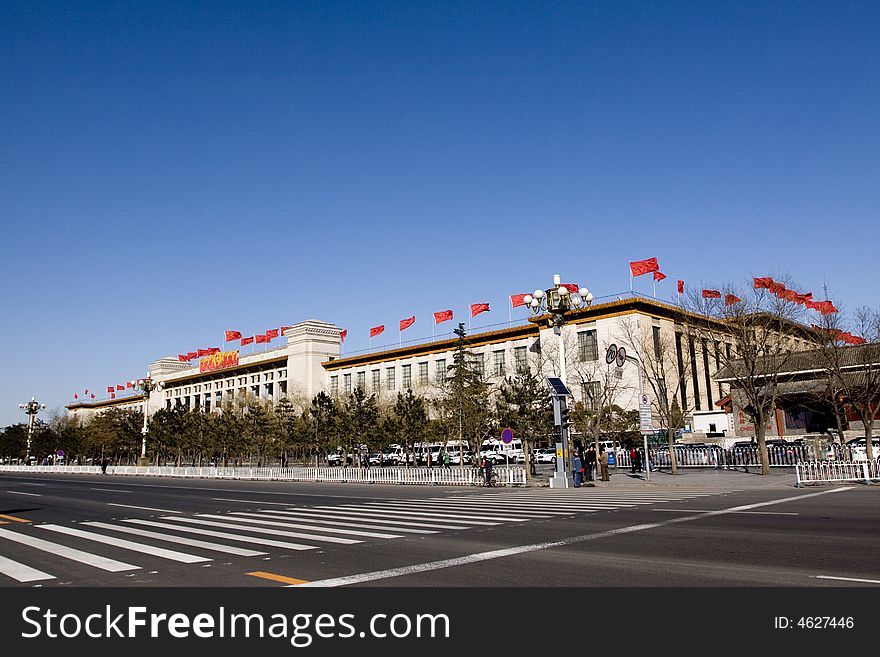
<point x="501" y="452"/>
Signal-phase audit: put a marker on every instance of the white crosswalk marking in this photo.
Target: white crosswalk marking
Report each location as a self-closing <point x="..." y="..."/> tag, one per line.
<point x="357" y="509"/>
<point x="327" y="513"/>
<point x="59" y="550"/>
<point x="180" y="540"/>
<point x="21" y="572"/>
<point x="322" y="520"/>
<point x="125" y="544"/>
<point x="233" y="537"/>
<point x="294" y="525"/>
<point x="260" y="530"/>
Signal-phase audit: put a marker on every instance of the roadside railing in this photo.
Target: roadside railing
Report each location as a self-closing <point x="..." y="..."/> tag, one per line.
<point x="453" y="476"/>
<point x="717" y="457"/>
<point x="813" y="472"/>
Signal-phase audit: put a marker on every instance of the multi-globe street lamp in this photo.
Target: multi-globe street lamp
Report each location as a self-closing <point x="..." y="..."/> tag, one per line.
<point x="557" y="301"/>
<point x="147" y="386"/>
<point x="31" y="408"/>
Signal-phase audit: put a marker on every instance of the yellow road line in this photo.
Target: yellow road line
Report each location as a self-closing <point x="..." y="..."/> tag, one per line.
<point x="13" y="518"/>
<point x="278" y="578"/>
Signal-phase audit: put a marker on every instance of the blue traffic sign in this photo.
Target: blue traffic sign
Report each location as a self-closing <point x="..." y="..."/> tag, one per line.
<point x="506" y="435"/>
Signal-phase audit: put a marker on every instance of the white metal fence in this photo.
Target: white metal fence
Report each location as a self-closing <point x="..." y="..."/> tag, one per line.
<point x="717" y="457"/>
<point x="813" y="472"/>
<point x="454" y="476"/>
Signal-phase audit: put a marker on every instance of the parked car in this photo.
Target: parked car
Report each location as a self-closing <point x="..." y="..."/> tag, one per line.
<point x="545" y="455"/>
<point x="339" y="457"/>
<point x="858" y="448"/>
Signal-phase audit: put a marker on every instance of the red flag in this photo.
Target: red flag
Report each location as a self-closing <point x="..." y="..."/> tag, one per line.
<point x="659" y="275"/>
<point x="183" y="358"/>
<point x="442" y="316"/>
<point x="93" y="395"/>
<point x="406" y="323"/>
<point x="203" y="352"/>
<point x="477" y="308"/>
<point x="571" y="287"/>
<point x="730" y="299"/>
<point x="680" y="286"/>
<point x="119" y="387"/>
<point x="711" y="294"/>
<point x="826" y="307"/>
<point x="516" y="300"/>
<point x="272" y="333"/>
<point x="764" y="283"/>
<point x="376" y="330"/>
<point x="86" y="392"/>
<point x="109" y="388"/>
<point x="284" y="328"/>
<point x="788" y="295"/>
<point x="342" y="334"/>
<point x="776" y="288"/>
<point x="245" y="341"/>
<point x="112" y="395"/>
<point x="192" y="354"/>
<point x="262" y="338"/>
<point x="639" y="267"/>
<point x="232" y="335"/>
<point x="129" y="384"/>
<point x="75" y="396"/>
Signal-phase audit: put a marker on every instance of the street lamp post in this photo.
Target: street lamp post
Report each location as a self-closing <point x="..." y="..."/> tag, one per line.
<point x="557" y="301"/>
<point x="147" y="386"/>
<point x="31" y="408"/>
<point x="633" y="359"/>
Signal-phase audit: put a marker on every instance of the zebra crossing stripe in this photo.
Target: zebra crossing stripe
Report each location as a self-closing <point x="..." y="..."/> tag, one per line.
<point x="226" y="535"/>
<point x="263" y="520"/>
<point x="373" y="513"/>
<point x="346" y="523"/>
<point x="373" y="517"/>
<point x="126" y="545"/>
<point x="385" y="509"/>
<point x="260" y="530"/>
<point x="110" y="565"/>
<point x="181" y="540"/>
<point x="525" y="509"/>
<point x="21" y="572"/>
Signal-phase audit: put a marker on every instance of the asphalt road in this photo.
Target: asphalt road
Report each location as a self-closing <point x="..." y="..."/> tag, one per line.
<point x="197" y="533"/>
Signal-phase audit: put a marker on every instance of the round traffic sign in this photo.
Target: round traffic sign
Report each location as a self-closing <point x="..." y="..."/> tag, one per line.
<point x="621" y="357"/>
<point x="506" y="435"/>
<point x="60" y="452"/>
<point x="611" y="354"/>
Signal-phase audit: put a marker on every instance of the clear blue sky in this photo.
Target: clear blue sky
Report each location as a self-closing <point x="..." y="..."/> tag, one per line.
<point x="169" y="170"/>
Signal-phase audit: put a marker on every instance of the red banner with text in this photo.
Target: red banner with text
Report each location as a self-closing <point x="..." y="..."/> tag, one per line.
<point x="219" y="361"/>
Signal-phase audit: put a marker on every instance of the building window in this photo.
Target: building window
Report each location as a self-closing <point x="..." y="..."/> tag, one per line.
<point x="656" y="331"/>
<point x="282" y="387"/>
<point x="591" y="393"/>
<point x="693" y="351"/>
<point x="498" y="363"/>
<point x="519" y="356"/>
<point x="441" y="371"/>
<point x="423" y="374"/>
<point x="334" y="385"/>
<point x="588" y="348"/>
<point x="390" y="383"/>
<point x="682" y="377"/>
<point x="375" y="380"/>
<point x="362" y="380"/>
<point x="346" y="382"/>
<point x="407" y="377"/>
<point x="479" y="365"/>
<point x="706" y="374"/>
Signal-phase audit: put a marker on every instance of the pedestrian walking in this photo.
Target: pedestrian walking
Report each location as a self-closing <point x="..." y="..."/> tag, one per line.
<point x="445" y="458"/>
<point x="487" y="469"/>
<point x="576" y="467"/>
<point x="104" y="463"/>
<point x="633" y="460"/>
<point x="603" y="463"/>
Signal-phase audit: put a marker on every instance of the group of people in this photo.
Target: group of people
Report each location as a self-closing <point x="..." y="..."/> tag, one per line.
<point x="584" y="464"/>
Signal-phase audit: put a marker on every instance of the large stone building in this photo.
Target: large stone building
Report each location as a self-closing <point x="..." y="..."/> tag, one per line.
<point x="310" y="361"/>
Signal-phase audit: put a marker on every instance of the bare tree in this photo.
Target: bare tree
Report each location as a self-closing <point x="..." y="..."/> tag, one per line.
<point x="758" y="326"/>
<point x="665" y="368"/>
<point x="852" y="363"/>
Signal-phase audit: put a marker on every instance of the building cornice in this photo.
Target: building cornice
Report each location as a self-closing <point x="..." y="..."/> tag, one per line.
<point x="106" y="403"/>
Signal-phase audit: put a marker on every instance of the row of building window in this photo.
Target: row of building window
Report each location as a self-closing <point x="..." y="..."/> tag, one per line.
<point x="228" y="384"/>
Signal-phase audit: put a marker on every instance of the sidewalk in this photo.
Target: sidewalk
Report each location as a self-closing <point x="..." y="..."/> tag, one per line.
<point x="692" y="478"/>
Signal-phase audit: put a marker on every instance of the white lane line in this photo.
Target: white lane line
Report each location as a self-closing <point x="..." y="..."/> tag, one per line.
<point x="272" y="532"/>
<point x="228" y="499"/>
<point x="112" y="490"/>
<point x="470" y="520"/>
<point x="225" y="535"/>
<point x="295" y="525"/>
<point x="126" y="545"/>
<point x="356" y="523"/>
<point x="754" y="513"/>
<point x="181" y="540"/>
<point x="849" y="579"/>
<point x="372" y="517"/>
<point x="28" y="483"/>
<point x="145" y="508"/>
<point x="465" y="513"/>
<point x="526" y="510"/>
<point x="18" y="492"/>
<point x="86" y="558"/>
<point x="522" y="549"/>
<point x="21" y="572"/>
